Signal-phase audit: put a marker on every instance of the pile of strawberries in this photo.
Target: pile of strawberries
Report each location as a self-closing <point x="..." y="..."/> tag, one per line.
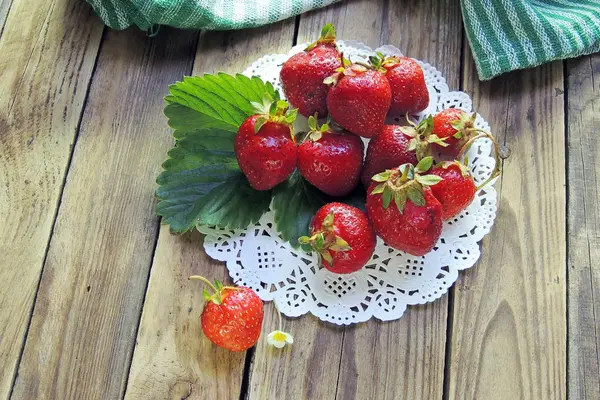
<point x="409" y="194"/>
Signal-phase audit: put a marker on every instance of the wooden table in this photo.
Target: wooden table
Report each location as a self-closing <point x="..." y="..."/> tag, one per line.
<point x="94" y="301"/>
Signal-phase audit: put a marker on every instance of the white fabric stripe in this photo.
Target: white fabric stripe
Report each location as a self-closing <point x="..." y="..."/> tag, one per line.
<point x="497" y="28"/>
<point x="540" y="29"/>
<point x="480" y="37"/>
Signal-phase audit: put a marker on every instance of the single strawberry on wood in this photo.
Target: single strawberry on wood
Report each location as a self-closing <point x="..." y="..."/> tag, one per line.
<point x="330" y="161"/>
<point x="343" y="237"/>
<point x="359" y="99"/>
<point x="265" y="146"/>
<point x="302" y="74"/>
<point x="403" y="210"/>
<point x="407" y="81"/>
<point x="232" y="316"/>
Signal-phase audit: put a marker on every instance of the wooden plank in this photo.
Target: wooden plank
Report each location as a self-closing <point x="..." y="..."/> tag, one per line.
<point x="91" y="293"/>
<point x="583" y="183"/>
<point x="47" y="54"/>
<point x="185" y="364"/>
<point x="508" y="338"/>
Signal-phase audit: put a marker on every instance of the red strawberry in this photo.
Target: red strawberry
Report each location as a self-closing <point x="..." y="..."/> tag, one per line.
<point x="387" y="150"/>
<point x="343" y="237"/>
<point x="232" y="317"/>
<point x="412" y="224"/>
<point x="265" y="147"/>
<point x="359" y="99"/>
<point x="457" y="188"/>
<point x="454" y="126"/>
<point x="302" y="74"/>
<point x="409" y="91"/>
<point x="331" y="161"/>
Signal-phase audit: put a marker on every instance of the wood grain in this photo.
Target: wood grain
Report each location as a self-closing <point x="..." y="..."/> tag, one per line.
<point x="583" y="183"/>
<point x="508" y="338"/>
<point x="47" y="53"/>
<point x="88" y="306"/>
<point x="181" y="362"/>
<point x="4" y="8"/>
<point x="405" y="358"/>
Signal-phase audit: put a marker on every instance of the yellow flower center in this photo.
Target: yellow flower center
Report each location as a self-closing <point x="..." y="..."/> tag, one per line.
<point x="279" y="336"/>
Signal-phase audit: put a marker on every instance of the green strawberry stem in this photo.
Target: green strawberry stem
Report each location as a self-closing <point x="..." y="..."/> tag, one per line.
<point x="484" y="134"/>
<point x="217" y="288"/>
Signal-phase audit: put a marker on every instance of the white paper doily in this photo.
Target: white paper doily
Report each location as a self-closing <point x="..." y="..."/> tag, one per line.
<point x="258" y="258"/>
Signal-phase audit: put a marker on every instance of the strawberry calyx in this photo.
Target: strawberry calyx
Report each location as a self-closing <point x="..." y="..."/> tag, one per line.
<point x="379" y="62"/>
<point x="464" y="125"/>
<point x="347" y="68"/>
<point x="274" y="110"/>
<point x="316" y="132"/>
<point x="217" y="288"/>
<point x="422" y="137"/>
<point x="327" y="37"/>
<point x="325" y="241"/>
<point x="405" y="183"/>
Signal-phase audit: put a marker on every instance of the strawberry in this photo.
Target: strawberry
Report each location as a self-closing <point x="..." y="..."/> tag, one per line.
<point x="302" y="74"/>
<point x="343" y="237"/>
<point x="359" y="99"/>
<point x="265" y="147"/>
<point x="232" y="317"/>
<point x="409" y="91"/>
<point x="454" y="126"/>
<point x="331" y="161"/>
<point x="387" y="150"/>
<point x="457" y="188"/>
<point x="397" y="145"/>
<point x="413" y="224"/>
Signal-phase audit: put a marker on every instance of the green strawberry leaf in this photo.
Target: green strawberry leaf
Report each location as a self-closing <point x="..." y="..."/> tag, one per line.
<point x="201" y="183"/>
<point x="220" y="101"/>
<point x="295" y="202"/>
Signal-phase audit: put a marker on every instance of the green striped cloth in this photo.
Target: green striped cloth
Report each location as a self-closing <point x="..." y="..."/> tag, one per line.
<point x="200" y="14"/>
<point x="512" y="34"/>
<point x="504" y="34"/>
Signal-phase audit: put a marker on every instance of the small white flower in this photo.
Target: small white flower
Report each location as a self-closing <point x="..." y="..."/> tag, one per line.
<point x="279" y="339"/>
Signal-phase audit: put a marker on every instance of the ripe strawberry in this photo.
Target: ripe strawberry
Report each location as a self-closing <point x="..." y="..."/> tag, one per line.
<point x="331" y="161"/>
<point x="409" y="91"/>
<point x="454" y="126"/>
<point x="413" y="224"/>
<point x="387" y="150"/>
<point x="232" y="317"/>
<point x="359" y="99"/>
<point x="343" y="237"/>
<point x="265" y="147"/>
<point x="302" y="74"/>
<point x="457" y="188"/>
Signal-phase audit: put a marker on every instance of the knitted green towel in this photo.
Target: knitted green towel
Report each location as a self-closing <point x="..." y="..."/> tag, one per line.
<point x="200" y="14"/>
<point x="512" y="34"/>
<point x="504" y="34"/>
